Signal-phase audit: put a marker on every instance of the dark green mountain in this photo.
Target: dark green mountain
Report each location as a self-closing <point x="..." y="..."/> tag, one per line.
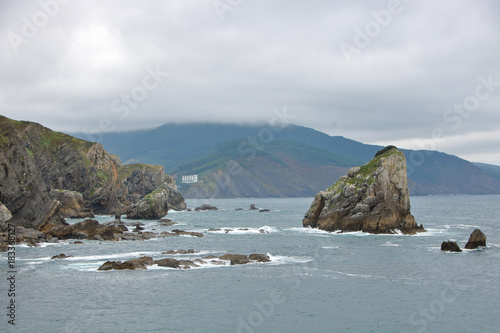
<point x="259" y="161"/>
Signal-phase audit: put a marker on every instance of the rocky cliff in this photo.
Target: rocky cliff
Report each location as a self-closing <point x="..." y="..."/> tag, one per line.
<point x="373" y="198"/>
<point x="152" y="192"/>
<point x="40" y="167"/>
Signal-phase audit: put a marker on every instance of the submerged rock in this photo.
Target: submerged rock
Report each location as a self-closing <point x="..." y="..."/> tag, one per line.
<point x="236" y="259"/>
<point x="373" y="198"/>
<point x="450" y="246"/>
<point x="476" y="239"/>
<point x="177" y="232"/>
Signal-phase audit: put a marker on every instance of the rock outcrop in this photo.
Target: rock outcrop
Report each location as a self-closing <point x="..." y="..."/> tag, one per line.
<point x="143" y="262"/>
<point x="72" y="204"/>
<point x="132" y="264"/>
<point x="205" y="207"/>
<point x="61" y="256"/>
<point x="476" y="239"/>
<point x="47" y="175"/>
<point x="143" y="179"/>
<point x="152" y="191"/>
<point x="88" y="229"/>
<point x="156" y="204"/>
<point x="373" y="198"/>
<point x="5" y="214"/>
<point x="450" y="246"/>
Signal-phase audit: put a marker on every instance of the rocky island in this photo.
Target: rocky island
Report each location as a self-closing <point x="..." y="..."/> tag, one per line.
<point x="373" y="198"/>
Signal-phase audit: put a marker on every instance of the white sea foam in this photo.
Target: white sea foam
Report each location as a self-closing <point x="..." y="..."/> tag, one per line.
<point x="243" y="230"/>
<point x="389" y="244"/>
<point x="280" y="260"/>
<point x="430" y="232"/>
<point x="131" y="255"/>
<point x="307" y="230"/>
<point x="365" y="276"/>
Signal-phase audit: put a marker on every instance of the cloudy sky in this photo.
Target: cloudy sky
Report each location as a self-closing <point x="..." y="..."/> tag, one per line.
<point x="418" y="74"/>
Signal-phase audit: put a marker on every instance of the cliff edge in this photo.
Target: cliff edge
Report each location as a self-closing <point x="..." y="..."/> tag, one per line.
<point x="373" y="198"/>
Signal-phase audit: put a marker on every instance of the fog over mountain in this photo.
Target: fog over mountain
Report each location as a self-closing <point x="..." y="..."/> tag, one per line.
<point x="417" y="74"/>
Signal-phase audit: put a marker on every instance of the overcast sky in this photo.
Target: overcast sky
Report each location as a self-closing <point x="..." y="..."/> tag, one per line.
<point x="417" y="74"/>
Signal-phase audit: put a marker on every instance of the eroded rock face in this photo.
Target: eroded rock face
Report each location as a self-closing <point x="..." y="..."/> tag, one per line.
<point x="5" y="214"/>
<point x="476" y="239"/>
<point x="373" y="198"/>
<point x="79" y="175"/>
<point x="72" y="204"/>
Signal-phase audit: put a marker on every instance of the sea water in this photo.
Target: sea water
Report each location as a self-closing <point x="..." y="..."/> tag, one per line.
<point x="316" y="282"/>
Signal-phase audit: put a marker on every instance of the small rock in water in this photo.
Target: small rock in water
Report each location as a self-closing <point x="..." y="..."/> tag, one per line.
<point x="252" y="207"/>
<point x="450" y="246"/>
<point x="476" y="239"/>
<point x="206" y="207"/>
<point x="60" y="256"/>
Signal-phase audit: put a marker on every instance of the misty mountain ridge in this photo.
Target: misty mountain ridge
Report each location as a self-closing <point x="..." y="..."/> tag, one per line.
<point x="294" y="161"/>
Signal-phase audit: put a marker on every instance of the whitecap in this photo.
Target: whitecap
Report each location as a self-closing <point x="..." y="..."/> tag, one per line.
<point x="132" y="255"/>
<point x="389" y="244"/>
<point x="280" y="260"/>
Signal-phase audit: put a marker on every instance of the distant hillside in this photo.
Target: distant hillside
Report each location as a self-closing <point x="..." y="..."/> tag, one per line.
<point x="283" y="169"/>
<point x="296" y="161"/>
<point x="173" y="144"/>
<point x="492" y="170"/>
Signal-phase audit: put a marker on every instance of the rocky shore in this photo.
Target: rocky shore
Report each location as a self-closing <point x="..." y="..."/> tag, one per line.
<point x="144" y="262"/>
<point x="47" y="176"/>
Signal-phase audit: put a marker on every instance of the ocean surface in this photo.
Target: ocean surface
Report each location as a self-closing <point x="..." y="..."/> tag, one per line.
<point x="316" y="282"/>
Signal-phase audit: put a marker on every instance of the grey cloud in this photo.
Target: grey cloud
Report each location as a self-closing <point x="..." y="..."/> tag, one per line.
<point x="264" y="55"/>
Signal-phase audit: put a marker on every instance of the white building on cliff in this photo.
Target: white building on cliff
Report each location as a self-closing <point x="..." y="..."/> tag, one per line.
<point x="189" y="179"/>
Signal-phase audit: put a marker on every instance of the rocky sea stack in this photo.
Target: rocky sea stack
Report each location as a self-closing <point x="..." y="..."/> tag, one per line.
<point x="476" y="239"/>
<point x="373" y="198"/>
